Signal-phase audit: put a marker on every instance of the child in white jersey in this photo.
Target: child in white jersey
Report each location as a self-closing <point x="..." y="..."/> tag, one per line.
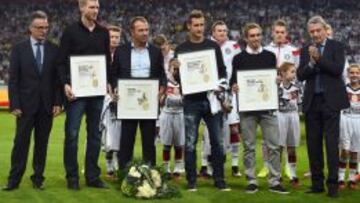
<point x="349" y="129"/>
<point x="289" y="122"/>
<point x="172" y="131"/>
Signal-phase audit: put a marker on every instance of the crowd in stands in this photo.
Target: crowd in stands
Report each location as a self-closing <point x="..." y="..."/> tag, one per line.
<point x="168" y="17"/>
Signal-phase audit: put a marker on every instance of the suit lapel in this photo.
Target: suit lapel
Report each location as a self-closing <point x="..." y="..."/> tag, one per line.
<point x="128" y="72"/>
<point x="326" y="48"/>
<point x="151" y="53"/>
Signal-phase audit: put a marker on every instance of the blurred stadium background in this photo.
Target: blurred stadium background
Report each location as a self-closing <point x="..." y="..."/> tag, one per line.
<point x="168" y="17"/>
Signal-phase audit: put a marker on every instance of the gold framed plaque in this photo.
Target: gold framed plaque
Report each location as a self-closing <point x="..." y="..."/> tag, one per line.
<point x="198" y="71"/>
<point x="88" y="75"/>
<point x="138" y="99"/>
<point x="257" y="90"/>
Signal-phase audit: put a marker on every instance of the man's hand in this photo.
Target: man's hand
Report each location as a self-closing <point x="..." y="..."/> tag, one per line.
<point x="235" y="88"/>
<point x="109" y="90"/>
<point x="56" y="110"/>
<point x="115" y="96"/>
<point x="69" y="93"/>
<point x="17" y="113"/>
<point x="314" y="53"/>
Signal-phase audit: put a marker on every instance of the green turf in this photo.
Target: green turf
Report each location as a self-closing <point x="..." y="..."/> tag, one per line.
<point x="56" y="191"/>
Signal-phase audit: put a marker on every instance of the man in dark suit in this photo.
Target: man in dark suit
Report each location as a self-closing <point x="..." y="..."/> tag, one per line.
<point x="34" y="99"/>
<point x="321" y="66"/>
<point x="138" y="59"/>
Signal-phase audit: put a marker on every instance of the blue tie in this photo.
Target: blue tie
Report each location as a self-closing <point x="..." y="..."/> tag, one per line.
<point x="318" y="86"/>
<point x="38" y="56"/>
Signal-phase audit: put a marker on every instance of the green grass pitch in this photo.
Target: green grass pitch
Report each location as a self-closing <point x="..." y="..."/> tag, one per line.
<point x="56" y="191"/>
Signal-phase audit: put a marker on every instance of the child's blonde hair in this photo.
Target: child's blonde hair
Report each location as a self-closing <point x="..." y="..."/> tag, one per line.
<point x="355" y="65"/>
<point x="285" y="67"/>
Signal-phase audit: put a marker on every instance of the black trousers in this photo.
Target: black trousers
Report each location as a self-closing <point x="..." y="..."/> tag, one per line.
<point x="322" y="122"/>
<point x="127" y="141"/>
<point x="41" y="123"/>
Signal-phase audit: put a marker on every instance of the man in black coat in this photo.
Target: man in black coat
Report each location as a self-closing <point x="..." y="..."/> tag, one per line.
<point x="35" y="98"/>
<point x="321" y="66"/>
<point x="84" y="37"/>
<point x="138" y="59"/>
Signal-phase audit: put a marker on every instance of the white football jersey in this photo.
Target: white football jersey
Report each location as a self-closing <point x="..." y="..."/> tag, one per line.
<point x="173" y="102"/>
<point x="285" y="53"/>
<point x="229" y="49"/>
<point x="354" y="99"/>
<point x="289" y="98"/>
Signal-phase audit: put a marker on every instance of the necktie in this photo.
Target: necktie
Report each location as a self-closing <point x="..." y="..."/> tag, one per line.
<point x="320" y="49"/>
<point x="318" y="85"/>
<point x="38" y="56"/>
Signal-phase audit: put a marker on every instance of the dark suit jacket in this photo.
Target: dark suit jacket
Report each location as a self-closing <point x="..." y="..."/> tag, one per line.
<point x="28" y="88"/>
<point x="331" y="66"/>
<point x="122" y="64"/>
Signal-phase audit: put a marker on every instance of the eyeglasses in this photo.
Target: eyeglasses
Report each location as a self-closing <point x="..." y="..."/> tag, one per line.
<point x="41" y="27"/>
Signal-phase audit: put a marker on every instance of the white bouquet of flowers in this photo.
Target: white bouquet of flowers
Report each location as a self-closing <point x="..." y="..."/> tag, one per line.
<point x="146" y="182"/>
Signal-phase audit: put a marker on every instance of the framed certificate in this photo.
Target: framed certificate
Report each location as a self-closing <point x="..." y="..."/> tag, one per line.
<point x="88" y="75"/>
<point x="138" y="99"/>
<point x="257" y="90"/>
<point x="198" y="71"/>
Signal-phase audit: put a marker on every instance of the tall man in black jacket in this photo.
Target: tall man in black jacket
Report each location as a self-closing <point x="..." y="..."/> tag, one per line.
<point x="34" y="99"/>
<point x="321" y="66"/>
<point x="84" y="37"/>
<point x="138" y="59"/>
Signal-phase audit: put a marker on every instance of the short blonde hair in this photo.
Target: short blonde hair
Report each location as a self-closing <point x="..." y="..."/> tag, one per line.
<point x="279" y="22"/>
<point x="250" y="26"/>
<point x="354" y="65"/>
<point x="84" y="2"/>
<point x="160" y="40"/>
<point x="216" y="23"/>
<point x="195" y="14"/>
<point x="285" y="67"/>
<point x="114" y="28"/>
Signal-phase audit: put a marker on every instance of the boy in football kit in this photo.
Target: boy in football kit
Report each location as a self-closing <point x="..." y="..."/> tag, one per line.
<point x="172" y="130"/>
<point x="109" y="125"/>
<point x="110" y="128"/>
<point x="168" y="53"/>
<point x="284" y="52"/>
<point x="349" y="129"/>
<point x="288" y="117"/>
<point x="229" y="49"/>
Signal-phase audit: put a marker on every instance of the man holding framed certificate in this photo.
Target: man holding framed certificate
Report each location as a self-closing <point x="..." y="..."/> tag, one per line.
<point x="195" y="64"/>
<point x="261" y="90"/>
<point x="139" y="73"/>
<point x="83" y="77"/>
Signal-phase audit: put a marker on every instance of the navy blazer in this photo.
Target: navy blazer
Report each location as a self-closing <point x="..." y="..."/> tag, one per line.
<point x="331" y="67"/>
<point x="122" y="64"/>
<point x="28" y="88"/>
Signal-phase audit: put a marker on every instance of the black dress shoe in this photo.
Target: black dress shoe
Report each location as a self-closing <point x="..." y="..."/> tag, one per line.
<point x="97" y="184"/>
<point x="315" y="191"/>
<point x="38" y="186"/>
<point x="333" y="192"/>
<point x="10" y="187"/>
<point x="73" y="185"/>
